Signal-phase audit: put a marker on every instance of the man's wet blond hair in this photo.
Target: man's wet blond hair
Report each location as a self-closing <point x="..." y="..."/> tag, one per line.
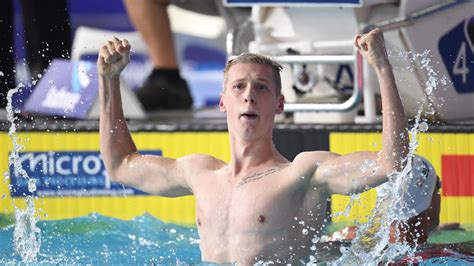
<point x="251" y="58"/>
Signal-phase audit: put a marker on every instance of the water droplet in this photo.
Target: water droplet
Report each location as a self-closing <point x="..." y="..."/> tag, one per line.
<point x="32" y="185"/>
<point x="423" y="127"/>
<point x="305" y="231"/>
<point x="315" y="239"/>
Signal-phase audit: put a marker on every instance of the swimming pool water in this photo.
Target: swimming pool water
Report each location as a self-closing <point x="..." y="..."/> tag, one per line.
<point x="96" y="239"/>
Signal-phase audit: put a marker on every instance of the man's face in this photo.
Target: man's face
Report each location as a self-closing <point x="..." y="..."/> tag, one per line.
<point x="250" y="100"/>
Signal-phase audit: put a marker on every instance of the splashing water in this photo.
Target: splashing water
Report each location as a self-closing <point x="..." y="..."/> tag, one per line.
<point x="370" y="247"/>
<point x="26" y="236"/>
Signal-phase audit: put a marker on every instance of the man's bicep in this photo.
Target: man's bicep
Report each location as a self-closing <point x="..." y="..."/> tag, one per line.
<point x="321" y="175"/>
<point x="350" y="173"/>
<point x="154" y="174"/>
<point x="310" y="162"/>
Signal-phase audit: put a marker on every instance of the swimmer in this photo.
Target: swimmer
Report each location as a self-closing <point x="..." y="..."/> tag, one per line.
<point x="421" y="205"/>
<point x="258" y="206"/>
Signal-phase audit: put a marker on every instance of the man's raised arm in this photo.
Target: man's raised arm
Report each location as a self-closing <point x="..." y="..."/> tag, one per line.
<point x="152" y="174"/>
<point x="356" y="172"/>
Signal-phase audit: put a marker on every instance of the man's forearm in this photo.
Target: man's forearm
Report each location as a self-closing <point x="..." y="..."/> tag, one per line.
<point x="394" y="135"/>
<point x="115" y="140"/>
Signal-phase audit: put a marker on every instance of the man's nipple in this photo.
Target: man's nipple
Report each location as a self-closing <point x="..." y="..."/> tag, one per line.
<point x="261" y="219"/>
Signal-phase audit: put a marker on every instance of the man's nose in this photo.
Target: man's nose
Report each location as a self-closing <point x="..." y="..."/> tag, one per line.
<point x="250" y="96"/>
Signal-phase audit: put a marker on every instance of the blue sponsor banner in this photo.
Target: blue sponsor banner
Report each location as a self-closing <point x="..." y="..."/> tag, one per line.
<point x="67" y="174"/>
<point x="457" y="51"/>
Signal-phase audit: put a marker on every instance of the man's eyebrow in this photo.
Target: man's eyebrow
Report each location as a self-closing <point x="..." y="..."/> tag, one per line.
<point x="239" y="80"/>
<point x="263" y="80"/>
<point x="245" y="80"/>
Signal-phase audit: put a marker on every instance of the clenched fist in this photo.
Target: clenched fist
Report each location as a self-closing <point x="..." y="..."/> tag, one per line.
<point x="372" y="47"/>
<point x="113" y="57"/>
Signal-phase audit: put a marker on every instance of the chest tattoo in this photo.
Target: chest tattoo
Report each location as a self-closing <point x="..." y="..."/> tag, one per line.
<point x="259" y="175"/>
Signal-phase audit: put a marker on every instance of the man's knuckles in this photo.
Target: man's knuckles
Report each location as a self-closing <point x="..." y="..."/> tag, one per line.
<point x="112" y="58"/>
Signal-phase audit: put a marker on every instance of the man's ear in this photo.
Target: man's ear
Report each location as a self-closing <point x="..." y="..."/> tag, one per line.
<point x="221" y="103"/>
<point x="281" y="104"/>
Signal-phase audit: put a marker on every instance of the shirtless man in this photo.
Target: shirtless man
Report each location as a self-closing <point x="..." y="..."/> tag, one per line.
<point x="258" y="206"/>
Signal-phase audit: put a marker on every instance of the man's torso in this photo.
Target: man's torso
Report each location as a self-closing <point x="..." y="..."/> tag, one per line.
<point x="269" y="214"/>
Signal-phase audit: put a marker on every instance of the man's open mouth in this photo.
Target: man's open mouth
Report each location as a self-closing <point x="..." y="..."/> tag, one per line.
<point x="249" y="115"/>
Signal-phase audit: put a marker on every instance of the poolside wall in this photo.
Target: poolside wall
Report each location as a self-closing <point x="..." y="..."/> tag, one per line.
<point x="452" y="155"/>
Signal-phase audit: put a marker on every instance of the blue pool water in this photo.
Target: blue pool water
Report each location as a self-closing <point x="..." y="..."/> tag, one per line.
<point x="97" y="239"/>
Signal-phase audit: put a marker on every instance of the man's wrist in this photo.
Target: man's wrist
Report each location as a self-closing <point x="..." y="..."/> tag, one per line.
<point x="110" y="76"/>
<point x="384" y="67"/>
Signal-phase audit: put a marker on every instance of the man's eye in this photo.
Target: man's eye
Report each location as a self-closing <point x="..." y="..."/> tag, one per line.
<point x="262" y="87"/>
<point x="239" y="86"/>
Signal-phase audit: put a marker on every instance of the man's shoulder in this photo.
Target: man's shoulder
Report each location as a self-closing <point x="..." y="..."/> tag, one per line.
<point x="307" y="162"/>
<point x="202" y="162"/>
<point x="313" y="157"/>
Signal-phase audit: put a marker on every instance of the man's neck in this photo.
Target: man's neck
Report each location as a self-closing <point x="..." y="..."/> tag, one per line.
<point x="251" y="155"/>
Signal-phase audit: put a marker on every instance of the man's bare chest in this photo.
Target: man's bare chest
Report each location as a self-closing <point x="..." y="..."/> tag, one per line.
<point x="253" y="205"/>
